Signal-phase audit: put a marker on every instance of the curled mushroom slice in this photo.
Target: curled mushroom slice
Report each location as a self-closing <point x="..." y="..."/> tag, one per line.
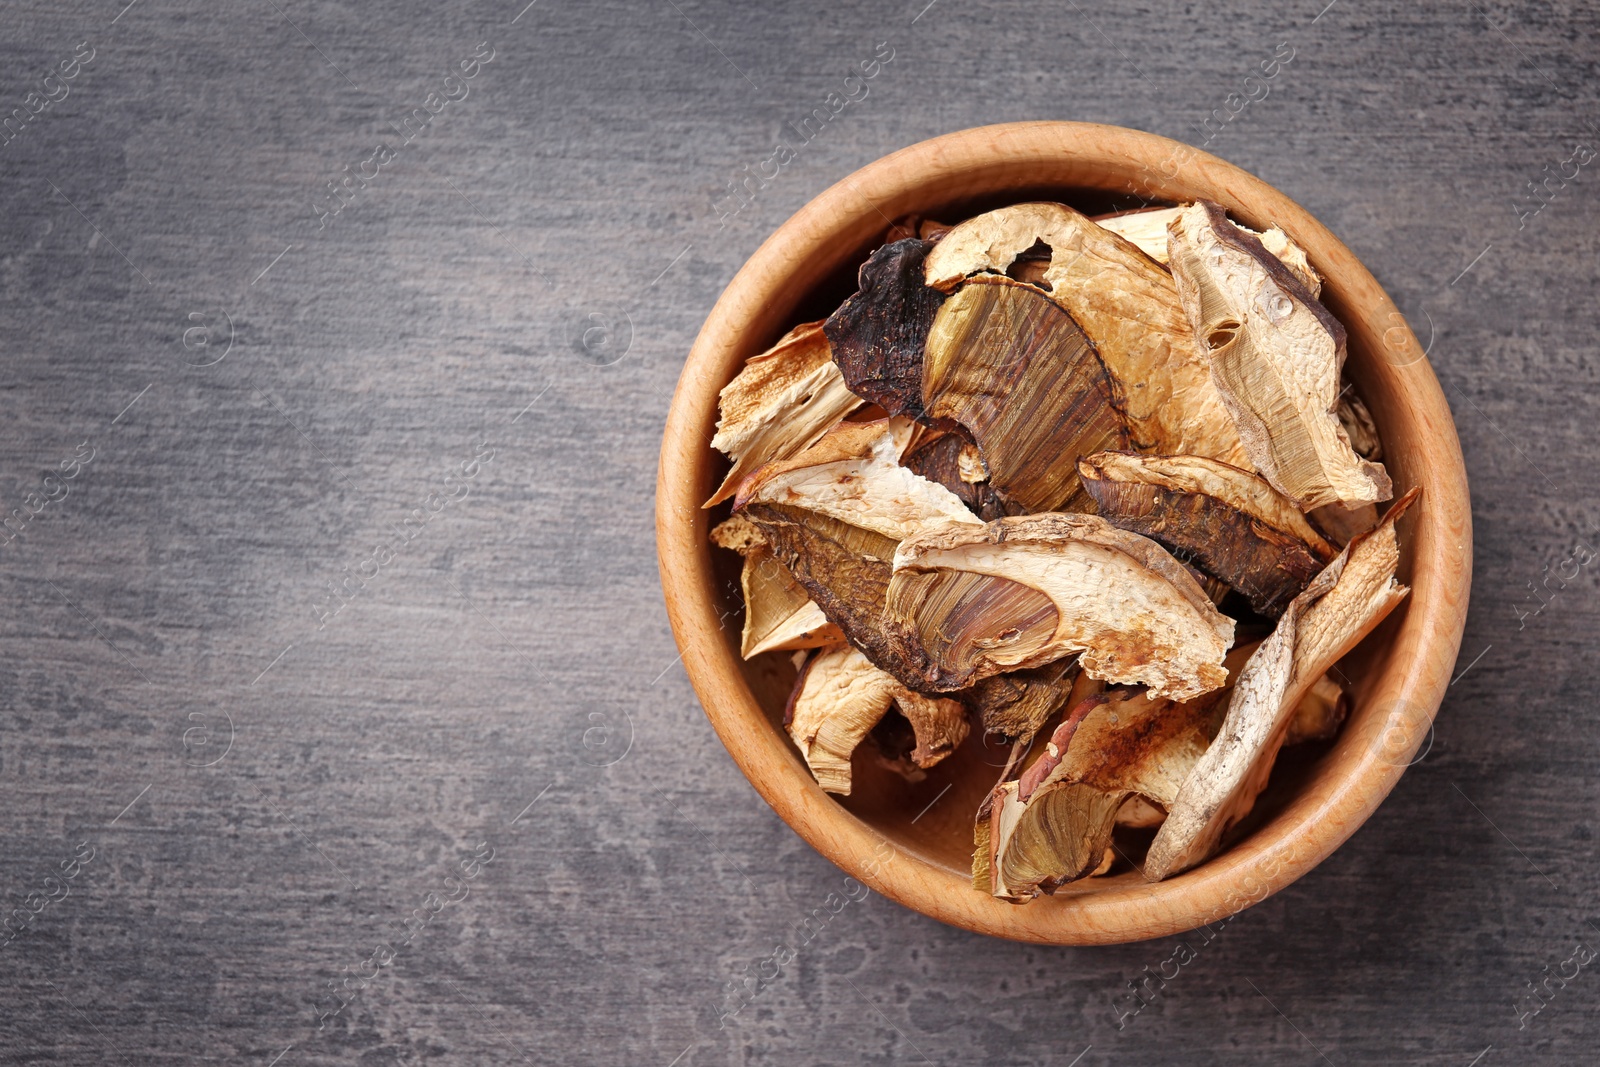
<point x="1319" y="714"/>
<point x="1147" y="229"/>
<point x="1341" y="606"/>
<point x="877" y="335"/>
<point x="1127" y="305"/>
<point x="840" y="696"/>
<point x="1276" y="355"/>
<point x="1054" y="824"/>
<point x="1231" y="523"/>
<point x="974" y="601"/>
<point x="833" y="516"/>
<point x="1008" y="364"/>
<point x="778" y="613"/>
<point x="781" y="402"/>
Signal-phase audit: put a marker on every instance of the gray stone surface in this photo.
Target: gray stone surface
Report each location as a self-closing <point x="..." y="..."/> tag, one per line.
<point x="272" y="800"/>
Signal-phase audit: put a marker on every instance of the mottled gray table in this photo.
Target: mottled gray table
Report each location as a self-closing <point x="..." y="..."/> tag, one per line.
<point x="334" y="657"/>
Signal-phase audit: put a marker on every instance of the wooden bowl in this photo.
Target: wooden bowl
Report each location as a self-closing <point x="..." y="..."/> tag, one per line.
<point x="913" y="842"/>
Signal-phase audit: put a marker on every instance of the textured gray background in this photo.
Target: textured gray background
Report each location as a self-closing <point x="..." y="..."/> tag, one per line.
<point x="268" y="800"/>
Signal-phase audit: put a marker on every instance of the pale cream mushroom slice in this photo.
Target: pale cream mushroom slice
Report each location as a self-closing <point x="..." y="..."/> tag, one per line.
<point x="966" y="601"/>
<point x="781" y="402"/>
<point x="840" y="696"/>
<point x="1127" y="305"/>
<point x="1276" y="355"/>
<point x="1340" y="607"/>
<point x="778" y="613"/>
<point x="1229" y="522"/>
<point x="1147" y="229"/>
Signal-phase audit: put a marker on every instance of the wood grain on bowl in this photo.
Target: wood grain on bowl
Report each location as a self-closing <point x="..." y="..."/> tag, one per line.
<point x="912" y="842"/>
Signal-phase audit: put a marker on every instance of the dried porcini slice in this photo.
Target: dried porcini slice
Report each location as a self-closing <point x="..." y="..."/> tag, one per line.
<point x="1341" y="606"/>
<point x="877" y="335"/>
<point x="1127" y="305"/>
<point x="1007" y="363"/>
<point x="1230" y="522"/>
<point x="834" y="515"/>
<point x="952" y="460"/>
<point x="1276" y="356"/>
<point x="1054" y="824"/>
<point x="1147" y="229"/>
<point x="778" y="613"/>
<point x="1015" y="705"/>
<point x="840" y="696"/>
<point x="780" y="403"/>
<point x="1134" y="613"/>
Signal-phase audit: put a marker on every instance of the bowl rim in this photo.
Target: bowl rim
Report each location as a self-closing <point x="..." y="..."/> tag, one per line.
<point x="1414" y="673"/>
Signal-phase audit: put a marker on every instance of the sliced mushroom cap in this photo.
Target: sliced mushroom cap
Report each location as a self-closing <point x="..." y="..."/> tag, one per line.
<point x="878" y="334"/>
<point x="778" y="613"/>
<point x="967" y="600"/>
<point x="1053" y="825"/>
<point x="781" y="402"/>
<point x="833" y="516"/>
<point x="1008" y="364"/>
<point x="1127" y="305"/>
<point x="1147" y="229"/>
<point x="1341" y="606"/>
<point x="840" y="696"/>
<point x="1276" y="356"/>
<point x="1231" y="523"/>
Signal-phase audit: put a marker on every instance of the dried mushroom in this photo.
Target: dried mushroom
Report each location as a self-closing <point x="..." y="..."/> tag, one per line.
<point x="1054" y="824"/>
<point x="840" y="696"/>
<point x="1276" y="355"/>
<point x="780" y="403"/>
<point x="877" y="335"/>
<point x="1008" y="364"/>
<point x="1341" y="606"/>
<point x="967" y="600"/>
<point x="952" y="460"/>
<point x="1231" y="523"/>
<point x="834" y="515"/>
<point x="778" y="614"/>
<point x="1319" y="714"/>
<point x="1147" y="229"/>
<point x="1127" y="305"/>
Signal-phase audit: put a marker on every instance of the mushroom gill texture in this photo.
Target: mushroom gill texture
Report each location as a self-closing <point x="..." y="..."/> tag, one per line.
<point x="1135" y="614"/>
<point x="1229" y="522"/>
<point x="840" y="696"/>
<point x="1008" y="364"/>
<point x="1341" y="606"/>
<point x="1127" y="305"/>
<point x="781" y="402"/>
<point x="1276" y="356"/>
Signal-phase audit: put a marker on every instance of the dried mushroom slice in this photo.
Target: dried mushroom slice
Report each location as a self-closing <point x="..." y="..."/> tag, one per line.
<point x="1147" y="229"/>
<point x="778" y="613"/>
<point x="833" y="516"/>
<point x="1276" y="356"/>
<point x="877" y="335"/>
<point x="1054" y="824"/>
<point x="1134" y="613"/>
<point x="1007" y="363"/>
<point x="840" y="696"/>
<point x="853" y="474"/>
<point x="952" y="460"/>
<point x="1125" y="302"/>
<point x="1017" y="704"/>
<point x="780" y="403"/>
<point x="1358" y="425"/>
<point x="1341" y="606"/>
<point x="1230" y="522"/>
